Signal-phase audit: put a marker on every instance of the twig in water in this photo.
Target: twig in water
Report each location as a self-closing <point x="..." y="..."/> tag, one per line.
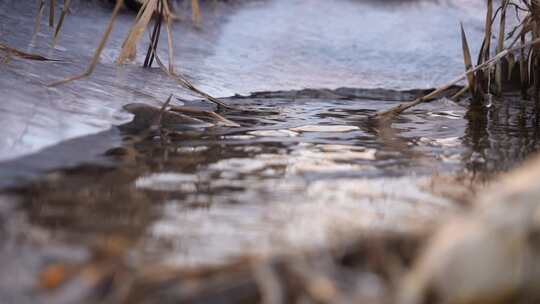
<point x="211" y="114"/>
<point x="14" y="52"/>
<point x="157" y="122"/>
<point x="460" y="93"/>
<point x="97" y="54"/>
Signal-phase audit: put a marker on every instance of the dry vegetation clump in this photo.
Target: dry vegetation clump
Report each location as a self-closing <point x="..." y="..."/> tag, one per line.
<point x="160" y="11"/>
<point x="508" y="56"/>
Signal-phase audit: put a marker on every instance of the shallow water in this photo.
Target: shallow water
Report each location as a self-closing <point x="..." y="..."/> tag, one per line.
<point x="242" y="48"/>
<point x="296" y="175"/>
<point x="300" y="175"/>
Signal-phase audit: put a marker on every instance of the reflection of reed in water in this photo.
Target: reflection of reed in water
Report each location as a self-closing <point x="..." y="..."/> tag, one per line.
<point x="501" y="136"/>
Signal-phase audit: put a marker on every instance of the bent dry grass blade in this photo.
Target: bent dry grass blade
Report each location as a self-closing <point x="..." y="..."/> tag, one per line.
<point x="98" y="51"/>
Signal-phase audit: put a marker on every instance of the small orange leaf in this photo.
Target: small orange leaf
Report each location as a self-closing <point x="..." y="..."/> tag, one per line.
<point x="53" y="276"/>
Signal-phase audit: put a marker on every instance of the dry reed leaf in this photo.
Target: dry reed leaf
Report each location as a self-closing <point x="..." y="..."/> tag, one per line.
<point x="467" y="60"/>
<point x="129" y="47"/>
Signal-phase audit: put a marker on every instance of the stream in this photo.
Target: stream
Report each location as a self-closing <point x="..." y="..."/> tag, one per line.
<point x="307" y="168"/>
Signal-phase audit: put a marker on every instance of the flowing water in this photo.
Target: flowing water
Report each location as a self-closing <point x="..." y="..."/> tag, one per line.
<point x="307" y="168"/>
<point x="245" y="47"/>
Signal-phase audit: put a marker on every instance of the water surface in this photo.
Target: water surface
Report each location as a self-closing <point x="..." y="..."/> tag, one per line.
<point x="243" y="47"/>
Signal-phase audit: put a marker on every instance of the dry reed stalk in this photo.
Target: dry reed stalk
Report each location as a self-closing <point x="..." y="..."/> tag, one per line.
<point x="484" y="53"/>
<point x="195" y="13"/>
<point x="524" y="80"/>
<point x="52" y="7"/>
<point x="129" y="47"/>
<point x="163" y="13"/>
<point x="168" y="20"/>
<point x="500" y="47"/>
<point x="65" y="9"/>
<point x="98" y="51"/>
<point x="154" y="38"/>
<point x="37" y="22"/>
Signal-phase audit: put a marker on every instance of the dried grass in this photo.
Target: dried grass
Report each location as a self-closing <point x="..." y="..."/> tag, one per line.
<point x="129" y="47"/>
<point x="98" y="51"/>
<point x="65" y="9"/>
